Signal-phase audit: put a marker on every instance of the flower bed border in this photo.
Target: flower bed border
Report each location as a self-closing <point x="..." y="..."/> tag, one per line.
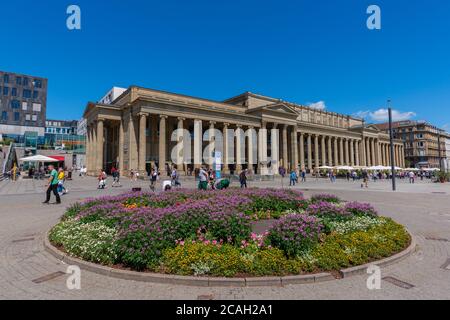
<point x="218" y="281"/>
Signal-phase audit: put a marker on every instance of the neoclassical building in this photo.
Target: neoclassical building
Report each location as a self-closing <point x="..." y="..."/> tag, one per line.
<point x="134" y="132"/>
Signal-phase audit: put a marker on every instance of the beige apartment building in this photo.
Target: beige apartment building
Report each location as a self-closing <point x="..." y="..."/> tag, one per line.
<point x="134" y="132"/>
<point x="420" y="139"/>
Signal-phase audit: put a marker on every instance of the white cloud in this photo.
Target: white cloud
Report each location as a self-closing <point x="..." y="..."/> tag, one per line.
<point x="320" y="105"/>
<point x="382" y="115"/>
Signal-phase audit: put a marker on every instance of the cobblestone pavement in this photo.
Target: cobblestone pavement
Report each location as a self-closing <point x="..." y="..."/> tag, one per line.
<point x="424" y="208"/>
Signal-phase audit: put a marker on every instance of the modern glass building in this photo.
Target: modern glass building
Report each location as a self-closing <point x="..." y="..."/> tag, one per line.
<point x="23" y="103"/>
<point x="63" y="135"/>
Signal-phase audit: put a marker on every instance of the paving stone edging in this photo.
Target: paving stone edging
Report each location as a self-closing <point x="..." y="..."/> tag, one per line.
<point x="216" y="281"/>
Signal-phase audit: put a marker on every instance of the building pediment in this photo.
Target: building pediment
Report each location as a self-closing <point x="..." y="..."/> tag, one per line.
<point x="280" y="109"/>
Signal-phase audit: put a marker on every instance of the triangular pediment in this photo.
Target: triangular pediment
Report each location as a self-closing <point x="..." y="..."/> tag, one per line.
<point x="280" y="108"/>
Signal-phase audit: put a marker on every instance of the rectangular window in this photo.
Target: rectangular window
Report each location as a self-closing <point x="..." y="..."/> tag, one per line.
<point x="14" y="92"/>
<point x="35" y="94"/>
<point x="34" y="117"/>
<point x="19" y="81"/>
<point x="16" y="116"/>
<point x="6" y="78"/>
<point x="26" y="93"/>
<point x="37" y="107"/>
<point x="4" y="115"/>
<point x="5" y="91"/>
<point x="25" y="82"/>
<point x="15" y="104"/>
<point x="24" y="105"/>
<point x="37" y="83"/>
<point x="27" y="117"/>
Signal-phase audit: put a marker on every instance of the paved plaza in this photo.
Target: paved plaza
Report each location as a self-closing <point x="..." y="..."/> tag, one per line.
<point x="424" y="208"/>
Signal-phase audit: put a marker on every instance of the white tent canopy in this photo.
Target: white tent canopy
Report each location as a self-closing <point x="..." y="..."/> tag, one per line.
<point x="345" y="168"/>
<point x="38" y="158"/>
<point x="325" y="167"/>
<point x="411" y="169"/>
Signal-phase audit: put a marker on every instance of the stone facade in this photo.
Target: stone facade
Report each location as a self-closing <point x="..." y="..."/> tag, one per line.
<point x="134" y="132"/>
<point x="421" y="141"/>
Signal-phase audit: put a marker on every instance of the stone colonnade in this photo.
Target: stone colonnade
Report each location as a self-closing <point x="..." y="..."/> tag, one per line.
<point x="143" y="141"/>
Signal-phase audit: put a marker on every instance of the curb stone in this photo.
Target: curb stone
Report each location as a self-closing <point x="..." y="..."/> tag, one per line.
<point x="217" y="281"/>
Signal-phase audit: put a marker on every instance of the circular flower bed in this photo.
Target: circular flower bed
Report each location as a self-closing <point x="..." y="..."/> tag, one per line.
<point x="190" y="232"/>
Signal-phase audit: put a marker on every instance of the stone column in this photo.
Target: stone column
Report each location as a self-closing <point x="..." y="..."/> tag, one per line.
<point x="198" y="143"/>
<point x="285" y="146"/>
<point x="250" y="159"/>
<point x="341" y="151"/>
<point x="309" y="142"/>
<point x="294" y="148"/>
<point x="346" y="144"/>
<point x="402" y="163"/>
<point x="212" y="143"/>
<point x="330" y="152"/>
<point x="142" y="144"/>
<point x="352" y="152"/>
<point x="121" y="142"/>
<point x="162" y="143"/>
<point x="99" y="154"/>
<point x="180" y="137"/>
<point x="238" y="149"/>
<point x="357" y="153"/>
<point x="372" y="151"/>
<point x="322" y="145"/>
<point x="94" y="168"/>
<point x="368" y="154"/>
<point x="225" y="153"/>
<point x="362" y="150"/>
<point x="262" y="149"/>
<point x="302" y="150"/>
<point x="275" y="149"/>
<point x="88" y="148"/>
<point x="316" y="151"/>
<point x="336" y="152"/>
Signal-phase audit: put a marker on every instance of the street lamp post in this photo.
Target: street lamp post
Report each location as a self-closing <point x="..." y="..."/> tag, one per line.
<point x="391" y="138"/>
<point x="439" y="150"/>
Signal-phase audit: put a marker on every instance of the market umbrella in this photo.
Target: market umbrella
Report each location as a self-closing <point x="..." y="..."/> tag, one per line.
<point x="325" y="167"/>
<point x="38" y="158"/>
<point x="347" y="168"/>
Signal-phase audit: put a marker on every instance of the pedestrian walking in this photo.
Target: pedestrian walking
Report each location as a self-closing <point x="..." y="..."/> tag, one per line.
<point x="116" y="177"/>
<point x="61" y="179"/>
<point x="243" y="178"/>
<point x="203" y="179"/>
<point x="365" y="177"/>
<point x="101" y="179"/>
<point x="153" y="178"/>
<point x="175" y="178"/>
<point x="293" y="178"/>
<point x="52" y="185"/>
<point x="303" y="175"/>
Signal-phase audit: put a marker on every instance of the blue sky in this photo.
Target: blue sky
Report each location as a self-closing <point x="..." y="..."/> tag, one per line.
<point x="301" y="51"/>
